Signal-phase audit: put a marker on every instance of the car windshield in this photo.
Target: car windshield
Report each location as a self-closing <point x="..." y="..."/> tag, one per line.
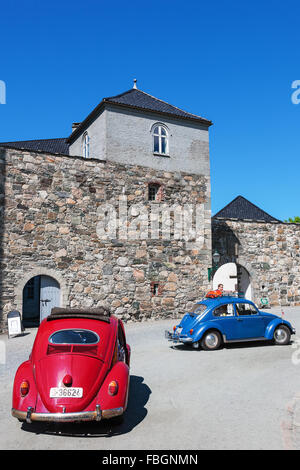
<point x="199" y="308"/>
<point x="74" y="337"/>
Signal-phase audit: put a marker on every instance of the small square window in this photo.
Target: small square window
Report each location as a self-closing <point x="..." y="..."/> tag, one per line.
<point x="156" y="289"/>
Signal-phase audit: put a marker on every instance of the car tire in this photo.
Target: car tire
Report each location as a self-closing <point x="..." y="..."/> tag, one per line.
<point x="211" y="340"/>
<point x="282" y="335"/>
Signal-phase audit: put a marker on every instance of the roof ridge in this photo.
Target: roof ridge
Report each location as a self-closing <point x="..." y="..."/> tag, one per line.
<point x="254" y="205"/>
<point x="33" y="140"/>
<point x="227" y="205"/>
<point x="130" y="102"/>
<point x="169" y="104"/>
<point x="156" y="99"/>
<point x="118" y="96"/>
<point x="250" y="203"/>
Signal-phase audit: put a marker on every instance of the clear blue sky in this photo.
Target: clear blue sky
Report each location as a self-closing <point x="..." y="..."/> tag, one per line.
<point x="230" y="61"/>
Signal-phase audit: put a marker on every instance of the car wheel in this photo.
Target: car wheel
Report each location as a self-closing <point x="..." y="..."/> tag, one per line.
<point x="211" y="340"/>
<point x="282" y="335"/>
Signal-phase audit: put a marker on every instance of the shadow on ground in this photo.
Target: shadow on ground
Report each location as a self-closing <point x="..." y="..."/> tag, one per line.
<point x="139" y="394"/>
<point x="234" y="345"/>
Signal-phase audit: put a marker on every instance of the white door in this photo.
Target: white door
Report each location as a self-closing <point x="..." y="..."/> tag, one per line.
<point x="49" y="296"/>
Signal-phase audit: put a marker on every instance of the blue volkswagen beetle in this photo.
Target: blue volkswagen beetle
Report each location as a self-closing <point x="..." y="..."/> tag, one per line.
<point x="214" y="322"/>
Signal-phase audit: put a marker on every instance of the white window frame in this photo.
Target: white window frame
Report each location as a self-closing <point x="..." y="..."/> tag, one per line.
<point x="161" y="136"/>
<point x="86" y="145"/>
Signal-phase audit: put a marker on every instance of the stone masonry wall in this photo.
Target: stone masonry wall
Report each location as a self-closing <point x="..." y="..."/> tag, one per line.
<point x="269" y="251"/>
<point x="49" y="209"/>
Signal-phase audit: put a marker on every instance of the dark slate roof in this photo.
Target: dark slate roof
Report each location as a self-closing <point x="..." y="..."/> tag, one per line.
<point x="137" y="99"/>
<point x="242" y="209"/>
<point x="142" y="100"/>
<point x="44" y="145"/>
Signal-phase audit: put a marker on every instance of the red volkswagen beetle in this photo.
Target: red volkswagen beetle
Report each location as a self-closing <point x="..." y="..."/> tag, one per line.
<point x="78" y="369"/>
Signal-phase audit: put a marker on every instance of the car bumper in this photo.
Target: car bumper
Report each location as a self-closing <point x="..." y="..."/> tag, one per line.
<point x="30" y="415"/>
<point x="178" y="338"/>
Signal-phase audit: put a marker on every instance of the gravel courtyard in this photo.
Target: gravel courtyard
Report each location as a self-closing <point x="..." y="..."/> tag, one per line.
<point x="244" y="396"/>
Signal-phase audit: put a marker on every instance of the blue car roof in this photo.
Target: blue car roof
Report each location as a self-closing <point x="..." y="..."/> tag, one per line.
<point x="224" y="298"/>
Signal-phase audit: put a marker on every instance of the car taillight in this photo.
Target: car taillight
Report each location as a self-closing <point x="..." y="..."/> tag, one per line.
<point x="113" y="388"/>
<point x="174" y="328"/>
<point x="24" y="389"/>
<point x="191" y="332"/>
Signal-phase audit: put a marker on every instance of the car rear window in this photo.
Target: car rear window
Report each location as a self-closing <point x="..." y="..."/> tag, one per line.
<point x="74" y="336"/>
<point x="225" y="310"/>
<point x="199" y="308"/>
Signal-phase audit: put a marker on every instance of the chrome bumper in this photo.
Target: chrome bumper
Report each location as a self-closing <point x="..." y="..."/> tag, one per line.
<point x="97" y="415"/>
<point x="177" y="338"/>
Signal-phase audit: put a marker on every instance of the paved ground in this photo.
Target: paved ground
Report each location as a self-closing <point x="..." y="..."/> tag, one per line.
<point x="243" y="396"/>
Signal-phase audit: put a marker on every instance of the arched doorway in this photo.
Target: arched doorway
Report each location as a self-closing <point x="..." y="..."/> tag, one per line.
<point x="244" y="282"/>
<point x="234" y="277"/>
<point x="40" y="294"/>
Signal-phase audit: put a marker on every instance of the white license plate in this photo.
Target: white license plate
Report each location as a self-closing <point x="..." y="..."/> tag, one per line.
<point x="62" y="392"/>
<point x="179" y="330"/>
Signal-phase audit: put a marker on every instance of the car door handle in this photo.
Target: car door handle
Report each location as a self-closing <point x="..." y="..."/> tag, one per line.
<point x="239" y="319"/>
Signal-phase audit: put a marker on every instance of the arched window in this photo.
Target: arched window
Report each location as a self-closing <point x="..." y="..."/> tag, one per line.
<point x="86" y="145"/>
<point x="160" y="140"/>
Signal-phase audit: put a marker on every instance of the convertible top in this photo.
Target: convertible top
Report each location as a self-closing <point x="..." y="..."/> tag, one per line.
<point x="101" y="313"/>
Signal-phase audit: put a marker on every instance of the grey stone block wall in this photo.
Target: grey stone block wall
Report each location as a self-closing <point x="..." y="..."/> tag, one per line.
<point x="50" y="213"/>
<point x="270" y="252"/>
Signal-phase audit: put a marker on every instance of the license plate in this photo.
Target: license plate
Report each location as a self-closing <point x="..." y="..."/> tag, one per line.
<point x="62" y="392"/>
<point x="179" y="330"/>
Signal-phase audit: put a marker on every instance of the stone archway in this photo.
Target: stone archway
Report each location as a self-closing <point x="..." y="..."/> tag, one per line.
<point x="49" y="277"/>
<point x="244" y="282"/>
<point x="235" y="278"/>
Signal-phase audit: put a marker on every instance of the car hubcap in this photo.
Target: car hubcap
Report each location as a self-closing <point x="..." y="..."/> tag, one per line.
<point x="211" y="340"/>
<point x="280" y="335"/>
